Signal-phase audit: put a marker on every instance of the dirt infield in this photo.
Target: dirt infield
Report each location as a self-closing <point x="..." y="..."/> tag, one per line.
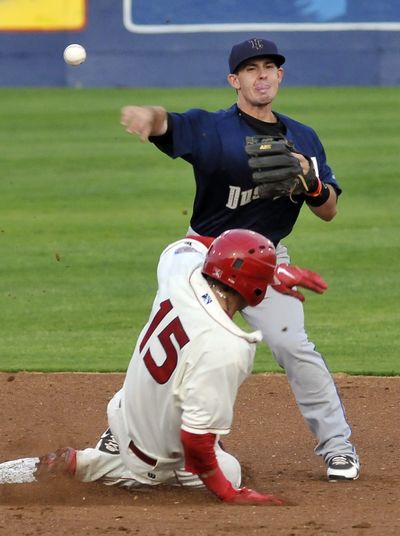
<point x="41" y="412"/>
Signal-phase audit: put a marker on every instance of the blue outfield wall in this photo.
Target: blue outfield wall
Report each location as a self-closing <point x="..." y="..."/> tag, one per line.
<point x="144" y="43"/>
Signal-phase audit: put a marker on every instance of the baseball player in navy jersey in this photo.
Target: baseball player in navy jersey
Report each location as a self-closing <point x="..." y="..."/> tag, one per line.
<point x="178" y="395"/>
<point x="226" y="197"/>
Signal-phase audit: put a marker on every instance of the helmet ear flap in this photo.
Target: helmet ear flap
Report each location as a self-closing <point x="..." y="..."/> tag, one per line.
<point x="258" y="291"/>
<point x="243" y="260"/>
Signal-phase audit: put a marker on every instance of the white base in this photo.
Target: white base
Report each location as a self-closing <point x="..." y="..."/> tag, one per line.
<point x="18" y="471"/>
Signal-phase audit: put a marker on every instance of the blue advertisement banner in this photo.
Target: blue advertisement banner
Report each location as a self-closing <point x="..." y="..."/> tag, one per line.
<point x="159" y="43"/>
<point x="158" y="16"/>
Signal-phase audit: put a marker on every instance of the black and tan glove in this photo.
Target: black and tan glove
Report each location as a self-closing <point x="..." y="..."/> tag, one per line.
<point x="276" y="171"/>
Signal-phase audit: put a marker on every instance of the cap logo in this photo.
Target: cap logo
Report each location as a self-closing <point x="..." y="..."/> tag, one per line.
<point x="257" y="44"/>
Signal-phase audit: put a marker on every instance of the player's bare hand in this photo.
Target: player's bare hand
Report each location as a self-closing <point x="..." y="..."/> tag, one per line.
<point x="137" y="120"/>
<point x="144" y="121"/>
<point x="304" y="163"/>
<point x="249" y="496"/>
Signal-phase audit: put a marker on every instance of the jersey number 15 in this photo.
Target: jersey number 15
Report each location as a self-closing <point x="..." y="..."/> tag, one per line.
<point x="162" y="373"/>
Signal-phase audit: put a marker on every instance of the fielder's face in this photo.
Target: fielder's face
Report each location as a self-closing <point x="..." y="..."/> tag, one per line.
<point x="256" y="82"/>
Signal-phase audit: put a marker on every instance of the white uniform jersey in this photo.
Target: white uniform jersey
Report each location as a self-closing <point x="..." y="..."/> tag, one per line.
<point x="187" y="366"/>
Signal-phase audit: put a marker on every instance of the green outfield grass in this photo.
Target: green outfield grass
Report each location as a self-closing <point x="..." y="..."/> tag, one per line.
<point x="85" y="210"/>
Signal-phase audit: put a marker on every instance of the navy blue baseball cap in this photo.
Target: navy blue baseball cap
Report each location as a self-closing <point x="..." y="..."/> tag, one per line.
<point x="253" y="48"/>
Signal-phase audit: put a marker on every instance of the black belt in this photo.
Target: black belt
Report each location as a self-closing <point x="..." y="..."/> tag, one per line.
<point x="141" y="455"/>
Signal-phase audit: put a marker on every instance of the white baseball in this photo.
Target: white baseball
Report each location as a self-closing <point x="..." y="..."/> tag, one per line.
<point x="74" y="54"/>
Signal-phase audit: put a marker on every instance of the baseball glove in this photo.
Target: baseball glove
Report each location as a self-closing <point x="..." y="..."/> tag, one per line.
<point x="275" y="170"/>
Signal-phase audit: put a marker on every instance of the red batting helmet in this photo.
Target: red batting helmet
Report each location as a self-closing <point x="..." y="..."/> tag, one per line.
<point x="243" y="260"/>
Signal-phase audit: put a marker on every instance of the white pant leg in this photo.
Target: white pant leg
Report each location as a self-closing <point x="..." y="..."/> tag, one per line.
<point x="229" y="465"/>
<point x="94" y="464"/>
<point x="281" y="320"/>
<point x="104" y="463"/>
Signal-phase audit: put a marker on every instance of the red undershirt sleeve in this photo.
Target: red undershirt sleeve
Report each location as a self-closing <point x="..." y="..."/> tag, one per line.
<point x="205" y="240"/>
<point x="200" y="460"/>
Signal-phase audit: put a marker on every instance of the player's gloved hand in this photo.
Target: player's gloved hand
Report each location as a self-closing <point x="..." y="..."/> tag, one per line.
<point x="288" y="276"/>
<point x="278" y="169"/>
<point x="249" y="496"/>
